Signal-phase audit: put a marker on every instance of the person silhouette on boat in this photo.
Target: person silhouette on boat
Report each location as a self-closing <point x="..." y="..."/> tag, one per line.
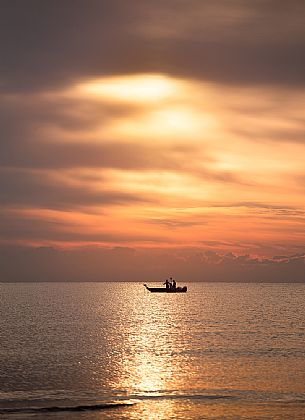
<point x="172" y="283"/>
<point x="168" y="284"/>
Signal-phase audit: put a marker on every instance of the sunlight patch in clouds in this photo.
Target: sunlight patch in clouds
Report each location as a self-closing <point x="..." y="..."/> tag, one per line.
<point x="171" y="123"/>
<point x="151" y="159"/>
<point x="142" y="88"/>
<point x="166" y="107"/>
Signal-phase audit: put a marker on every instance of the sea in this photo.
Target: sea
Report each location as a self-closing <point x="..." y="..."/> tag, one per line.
<point x="116" y="351"/>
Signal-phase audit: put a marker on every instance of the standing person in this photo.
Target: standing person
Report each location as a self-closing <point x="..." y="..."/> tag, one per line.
<point x="174" y="284"/>
<point x="167" y="284"/>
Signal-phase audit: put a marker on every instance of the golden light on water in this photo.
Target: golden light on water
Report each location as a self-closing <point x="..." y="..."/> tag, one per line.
<point x="153" y="344"/>
<point x="150" y="361"/>
<point x="175" y="354"/>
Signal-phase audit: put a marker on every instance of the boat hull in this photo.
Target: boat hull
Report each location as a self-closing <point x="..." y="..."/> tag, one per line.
<point x="164" y="290"/>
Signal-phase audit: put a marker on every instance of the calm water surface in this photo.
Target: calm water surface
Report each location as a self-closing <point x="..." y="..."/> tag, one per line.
<point x="115" y="351"/>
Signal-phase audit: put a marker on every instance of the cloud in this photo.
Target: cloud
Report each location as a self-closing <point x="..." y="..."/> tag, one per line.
<point x="126" y="264"/>
<point x="268" y="208"/>
<point x="55" y="132"/>
<point x="121" y="155"/>
<point x="30" y="189"/>
<point x="229" y="153"/>
<point x="205" y="214"/>
<point x="20" y="227"/>
<point x="51" y="44"/>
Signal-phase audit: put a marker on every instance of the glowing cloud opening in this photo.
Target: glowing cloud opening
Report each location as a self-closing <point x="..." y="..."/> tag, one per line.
<point x="136" y="88"/>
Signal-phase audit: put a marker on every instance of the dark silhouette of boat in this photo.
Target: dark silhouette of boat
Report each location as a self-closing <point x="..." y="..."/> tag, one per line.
<point x="166" y="289"/>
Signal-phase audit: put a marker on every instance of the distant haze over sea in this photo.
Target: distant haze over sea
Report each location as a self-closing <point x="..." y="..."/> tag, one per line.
<point x="30" y="264"/>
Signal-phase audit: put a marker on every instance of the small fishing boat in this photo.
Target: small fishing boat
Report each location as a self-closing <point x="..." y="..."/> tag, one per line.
<point x="166" y="289"/>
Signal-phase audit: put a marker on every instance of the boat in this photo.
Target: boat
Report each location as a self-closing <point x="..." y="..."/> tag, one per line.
<point x="166" y="289"/>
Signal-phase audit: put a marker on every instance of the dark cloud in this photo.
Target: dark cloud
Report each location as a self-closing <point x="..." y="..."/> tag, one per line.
<point x="92" y="155"/>
<point x="173" y="223"/>
<point x="187" y="159"/>
<point x="30" y="189"/>
<point x="263" y="210"/>
<point x="51" y="43"/>
<point x="267" y="208"/>
<point x="126" y="264"/>
<point x="28" y="141"/>
<point x="25" y="119"/>
<point x="19" y="227"/>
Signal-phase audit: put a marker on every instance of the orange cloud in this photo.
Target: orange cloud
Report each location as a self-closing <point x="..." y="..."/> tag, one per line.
<point x="152" y="159"/>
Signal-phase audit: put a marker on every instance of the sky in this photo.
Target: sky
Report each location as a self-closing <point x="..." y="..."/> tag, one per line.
<point x="158" y="137"/>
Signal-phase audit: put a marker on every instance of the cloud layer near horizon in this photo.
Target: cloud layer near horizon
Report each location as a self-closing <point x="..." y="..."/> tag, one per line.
<point x="126" y="264"/>
<point x="163" y="124"/>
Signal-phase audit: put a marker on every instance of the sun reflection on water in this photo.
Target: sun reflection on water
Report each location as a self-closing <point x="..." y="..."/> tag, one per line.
<point x="152" y="352"/>
<point x="153" y="365"/>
